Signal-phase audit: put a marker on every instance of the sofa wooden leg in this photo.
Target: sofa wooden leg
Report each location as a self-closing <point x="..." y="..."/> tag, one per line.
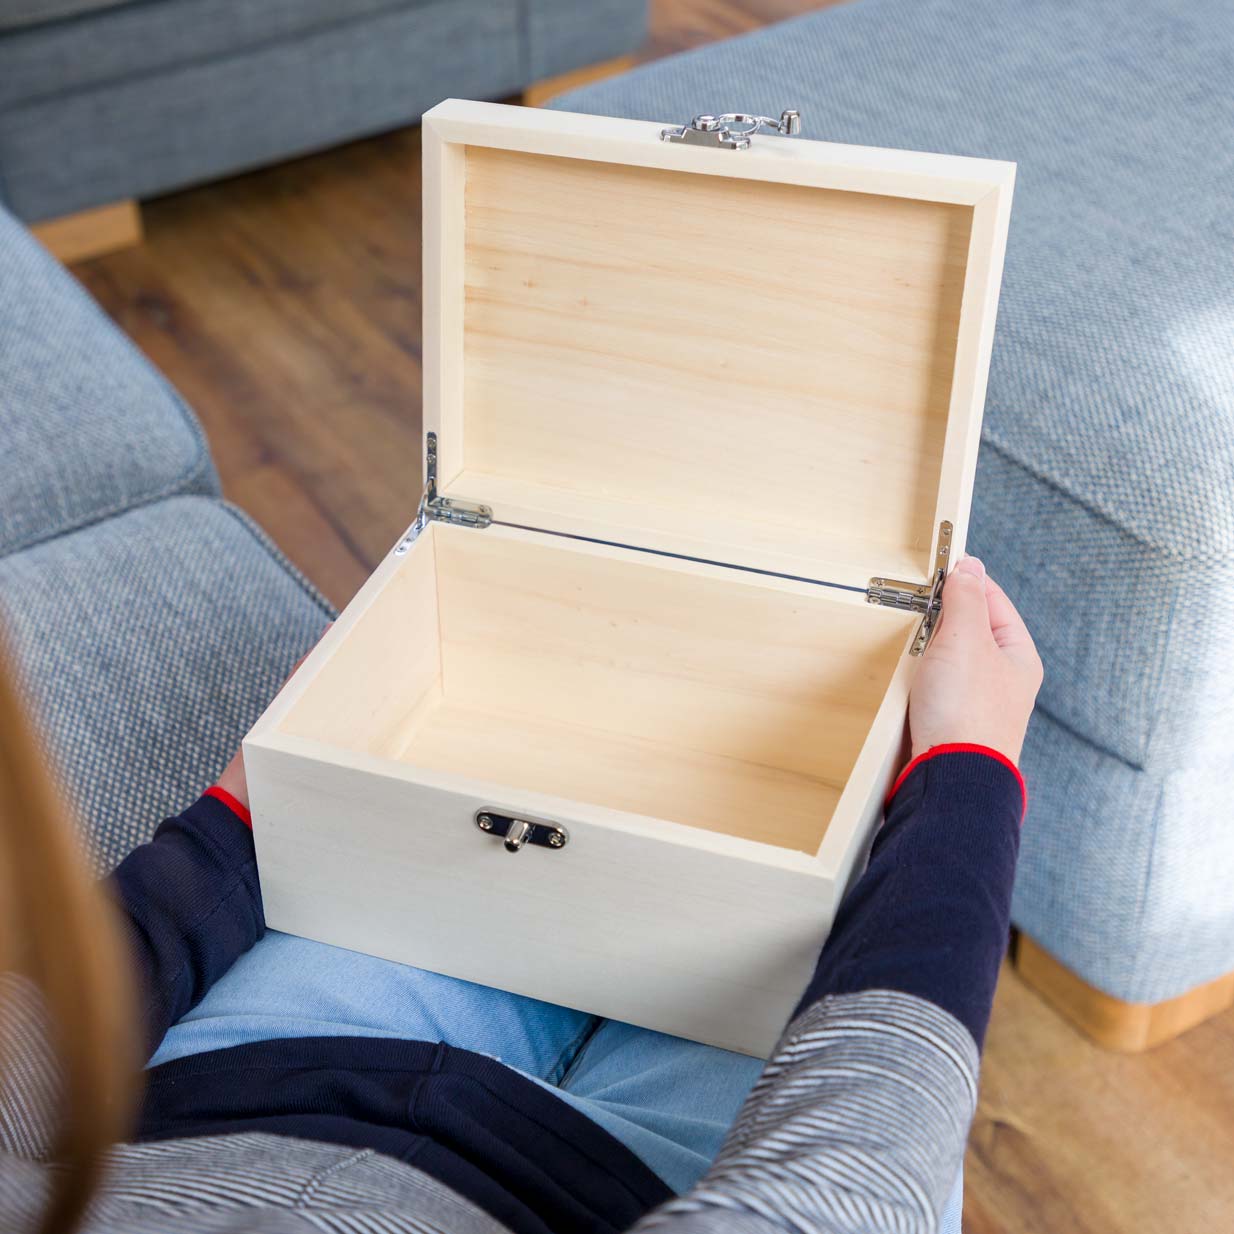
<point x="1112" y="1023"/>
<point x="543" y="91"/>
<point x="91" y="233"/>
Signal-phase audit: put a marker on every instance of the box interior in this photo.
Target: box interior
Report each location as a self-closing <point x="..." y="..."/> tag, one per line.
<point x="611" y="681"/>
<point x="764" y="366"/>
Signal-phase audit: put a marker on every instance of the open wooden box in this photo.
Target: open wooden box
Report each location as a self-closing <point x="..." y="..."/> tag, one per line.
<point x="690" y="414"/>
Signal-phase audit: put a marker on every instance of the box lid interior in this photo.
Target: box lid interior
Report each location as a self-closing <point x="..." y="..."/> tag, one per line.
<point x="773" y="357"/>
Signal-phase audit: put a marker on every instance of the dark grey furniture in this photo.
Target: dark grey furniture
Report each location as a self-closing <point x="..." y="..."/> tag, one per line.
<point x="105" y="100"/>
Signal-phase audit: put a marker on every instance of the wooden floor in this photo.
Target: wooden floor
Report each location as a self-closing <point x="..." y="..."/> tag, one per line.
<point x="285" y="305"/>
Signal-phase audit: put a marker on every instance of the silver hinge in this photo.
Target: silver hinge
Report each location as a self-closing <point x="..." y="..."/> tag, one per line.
<point x="925" y="598"/>
<point x="436" y="509"/>
<point x="733" y="130"/>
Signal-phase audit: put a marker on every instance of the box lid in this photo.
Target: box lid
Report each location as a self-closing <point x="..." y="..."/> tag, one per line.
<point x="773" y="357"/>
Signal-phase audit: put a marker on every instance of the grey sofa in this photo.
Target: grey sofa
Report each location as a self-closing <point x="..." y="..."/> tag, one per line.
<point x="1105" y="491"/>
<point x="150" y="621"/>
<point x="103" y="100"/>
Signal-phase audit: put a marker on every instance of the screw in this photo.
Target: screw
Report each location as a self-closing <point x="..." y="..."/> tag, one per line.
<point x="556" y="840"/>
<point x="484" y="823"/>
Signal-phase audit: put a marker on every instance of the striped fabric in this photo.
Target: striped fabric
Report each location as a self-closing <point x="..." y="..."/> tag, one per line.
<point x="857" y="1124"/>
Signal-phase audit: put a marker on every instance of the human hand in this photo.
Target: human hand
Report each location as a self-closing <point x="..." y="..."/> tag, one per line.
<point x="980" y="675"/>
<point x="233" y="779"/>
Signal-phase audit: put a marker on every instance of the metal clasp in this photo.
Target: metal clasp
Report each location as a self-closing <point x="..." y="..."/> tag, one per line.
<point x="519" y="831"/>
<point x="733" y="130"/>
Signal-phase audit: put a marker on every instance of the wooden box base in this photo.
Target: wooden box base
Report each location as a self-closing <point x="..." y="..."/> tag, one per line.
<point x="715" y="749"/>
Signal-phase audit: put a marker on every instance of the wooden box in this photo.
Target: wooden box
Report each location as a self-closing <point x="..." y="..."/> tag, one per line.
<point x="612" y="725"/>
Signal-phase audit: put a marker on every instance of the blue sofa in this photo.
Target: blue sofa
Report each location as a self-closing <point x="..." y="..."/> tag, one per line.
<point x="1105" y="490"/>
<point x="102" y="100"/>
<point x="150" y="621"/>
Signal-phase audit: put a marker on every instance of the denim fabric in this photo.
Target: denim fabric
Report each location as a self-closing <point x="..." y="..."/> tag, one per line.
<point x="87" y="428"/>
<point x="147" y="644"/>
<point x="1105" y="490"/>
<point x="668" y="1100"/>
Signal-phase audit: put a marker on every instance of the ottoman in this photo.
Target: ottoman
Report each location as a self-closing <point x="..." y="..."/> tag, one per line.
<point x="1105" y="491"/>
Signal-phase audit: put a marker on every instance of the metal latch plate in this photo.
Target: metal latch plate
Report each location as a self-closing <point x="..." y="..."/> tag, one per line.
<point x="516" y="831"/>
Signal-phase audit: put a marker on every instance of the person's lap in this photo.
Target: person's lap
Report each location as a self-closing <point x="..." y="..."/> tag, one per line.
<point x="668" y="1100"/>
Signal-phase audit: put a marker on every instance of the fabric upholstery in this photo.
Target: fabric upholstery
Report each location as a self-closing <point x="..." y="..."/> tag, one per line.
<point x="564" y="34"/>
<point x="127" y="39"/>
<point x="147" y="644"/>
<point x="17" y="13"/>
<point x="156" y="95"/>
<point x="1105" y="491"/>
<point x="87" y="428"/>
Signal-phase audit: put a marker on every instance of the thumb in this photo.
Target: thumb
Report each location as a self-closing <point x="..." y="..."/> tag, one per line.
<point x="966" y="613"/>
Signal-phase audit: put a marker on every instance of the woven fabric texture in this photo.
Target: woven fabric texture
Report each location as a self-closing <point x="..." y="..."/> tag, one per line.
<point x="17" y="13"/>
<point x="143" y="98"/>
<point x="87" y="428"/>
<point x="1105" y="492"/>
<point x="146" y="645"/>
<point x="129" y="39"/>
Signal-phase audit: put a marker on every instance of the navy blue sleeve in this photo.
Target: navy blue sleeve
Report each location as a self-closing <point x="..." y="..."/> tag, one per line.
<point x="931" y="914"/>
<point x="193" y="906"/>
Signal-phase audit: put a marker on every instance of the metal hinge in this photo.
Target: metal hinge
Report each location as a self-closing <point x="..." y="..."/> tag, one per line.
<point x="435" y="509"/>
<point x="925" y="598"/>
<point x="733" y="130"/>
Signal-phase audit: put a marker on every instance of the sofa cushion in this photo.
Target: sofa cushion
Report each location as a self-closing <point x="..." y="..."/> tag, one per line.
<point x="1111" y="397"/>
<point x="17" y="13"/>
<point x="87" y="426"/>
<point x="168" y="125"/>
<point x="130" y="39"/>
<point x="146" y="645"/>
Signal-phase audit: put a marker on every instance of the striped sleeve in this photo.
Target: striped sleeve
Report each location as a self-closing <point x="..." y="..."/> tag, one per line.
<point x="30" y="1082"/>
<point x="857" y="1124"/>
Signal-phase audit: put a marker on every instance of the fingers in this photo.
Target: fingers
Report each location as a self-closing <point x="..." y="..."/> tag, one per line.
<point x="1006" y="624"/>
<point x="966" y="614"/>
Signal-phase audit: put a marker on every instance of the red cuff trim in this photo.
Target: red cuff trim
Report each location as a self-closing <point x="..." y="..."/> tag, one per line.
<point x="961" y="747"/>
<point x="238" y="808"/>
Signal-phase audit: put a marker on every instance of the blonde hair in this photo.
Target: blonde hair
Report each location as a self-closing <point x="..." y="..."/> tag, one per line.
<point x="59" y="932"/>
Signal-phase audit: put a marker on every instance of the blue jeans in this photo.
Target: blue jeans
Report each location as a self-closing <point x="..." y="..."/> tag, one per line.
<point x="668" y="1100"/>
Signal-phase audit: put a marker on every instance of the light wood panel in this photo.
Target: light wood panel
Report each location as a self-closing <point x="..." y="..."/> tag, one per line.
<point x="597" y="676"/>
<point x="380" y="669"/>
<point x="616" y="681"/>
<point x="524" y="751"/>
<point x="91" y="233"/>
<point x="785" y="369"/>
<point x="1112" y="1022"/>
